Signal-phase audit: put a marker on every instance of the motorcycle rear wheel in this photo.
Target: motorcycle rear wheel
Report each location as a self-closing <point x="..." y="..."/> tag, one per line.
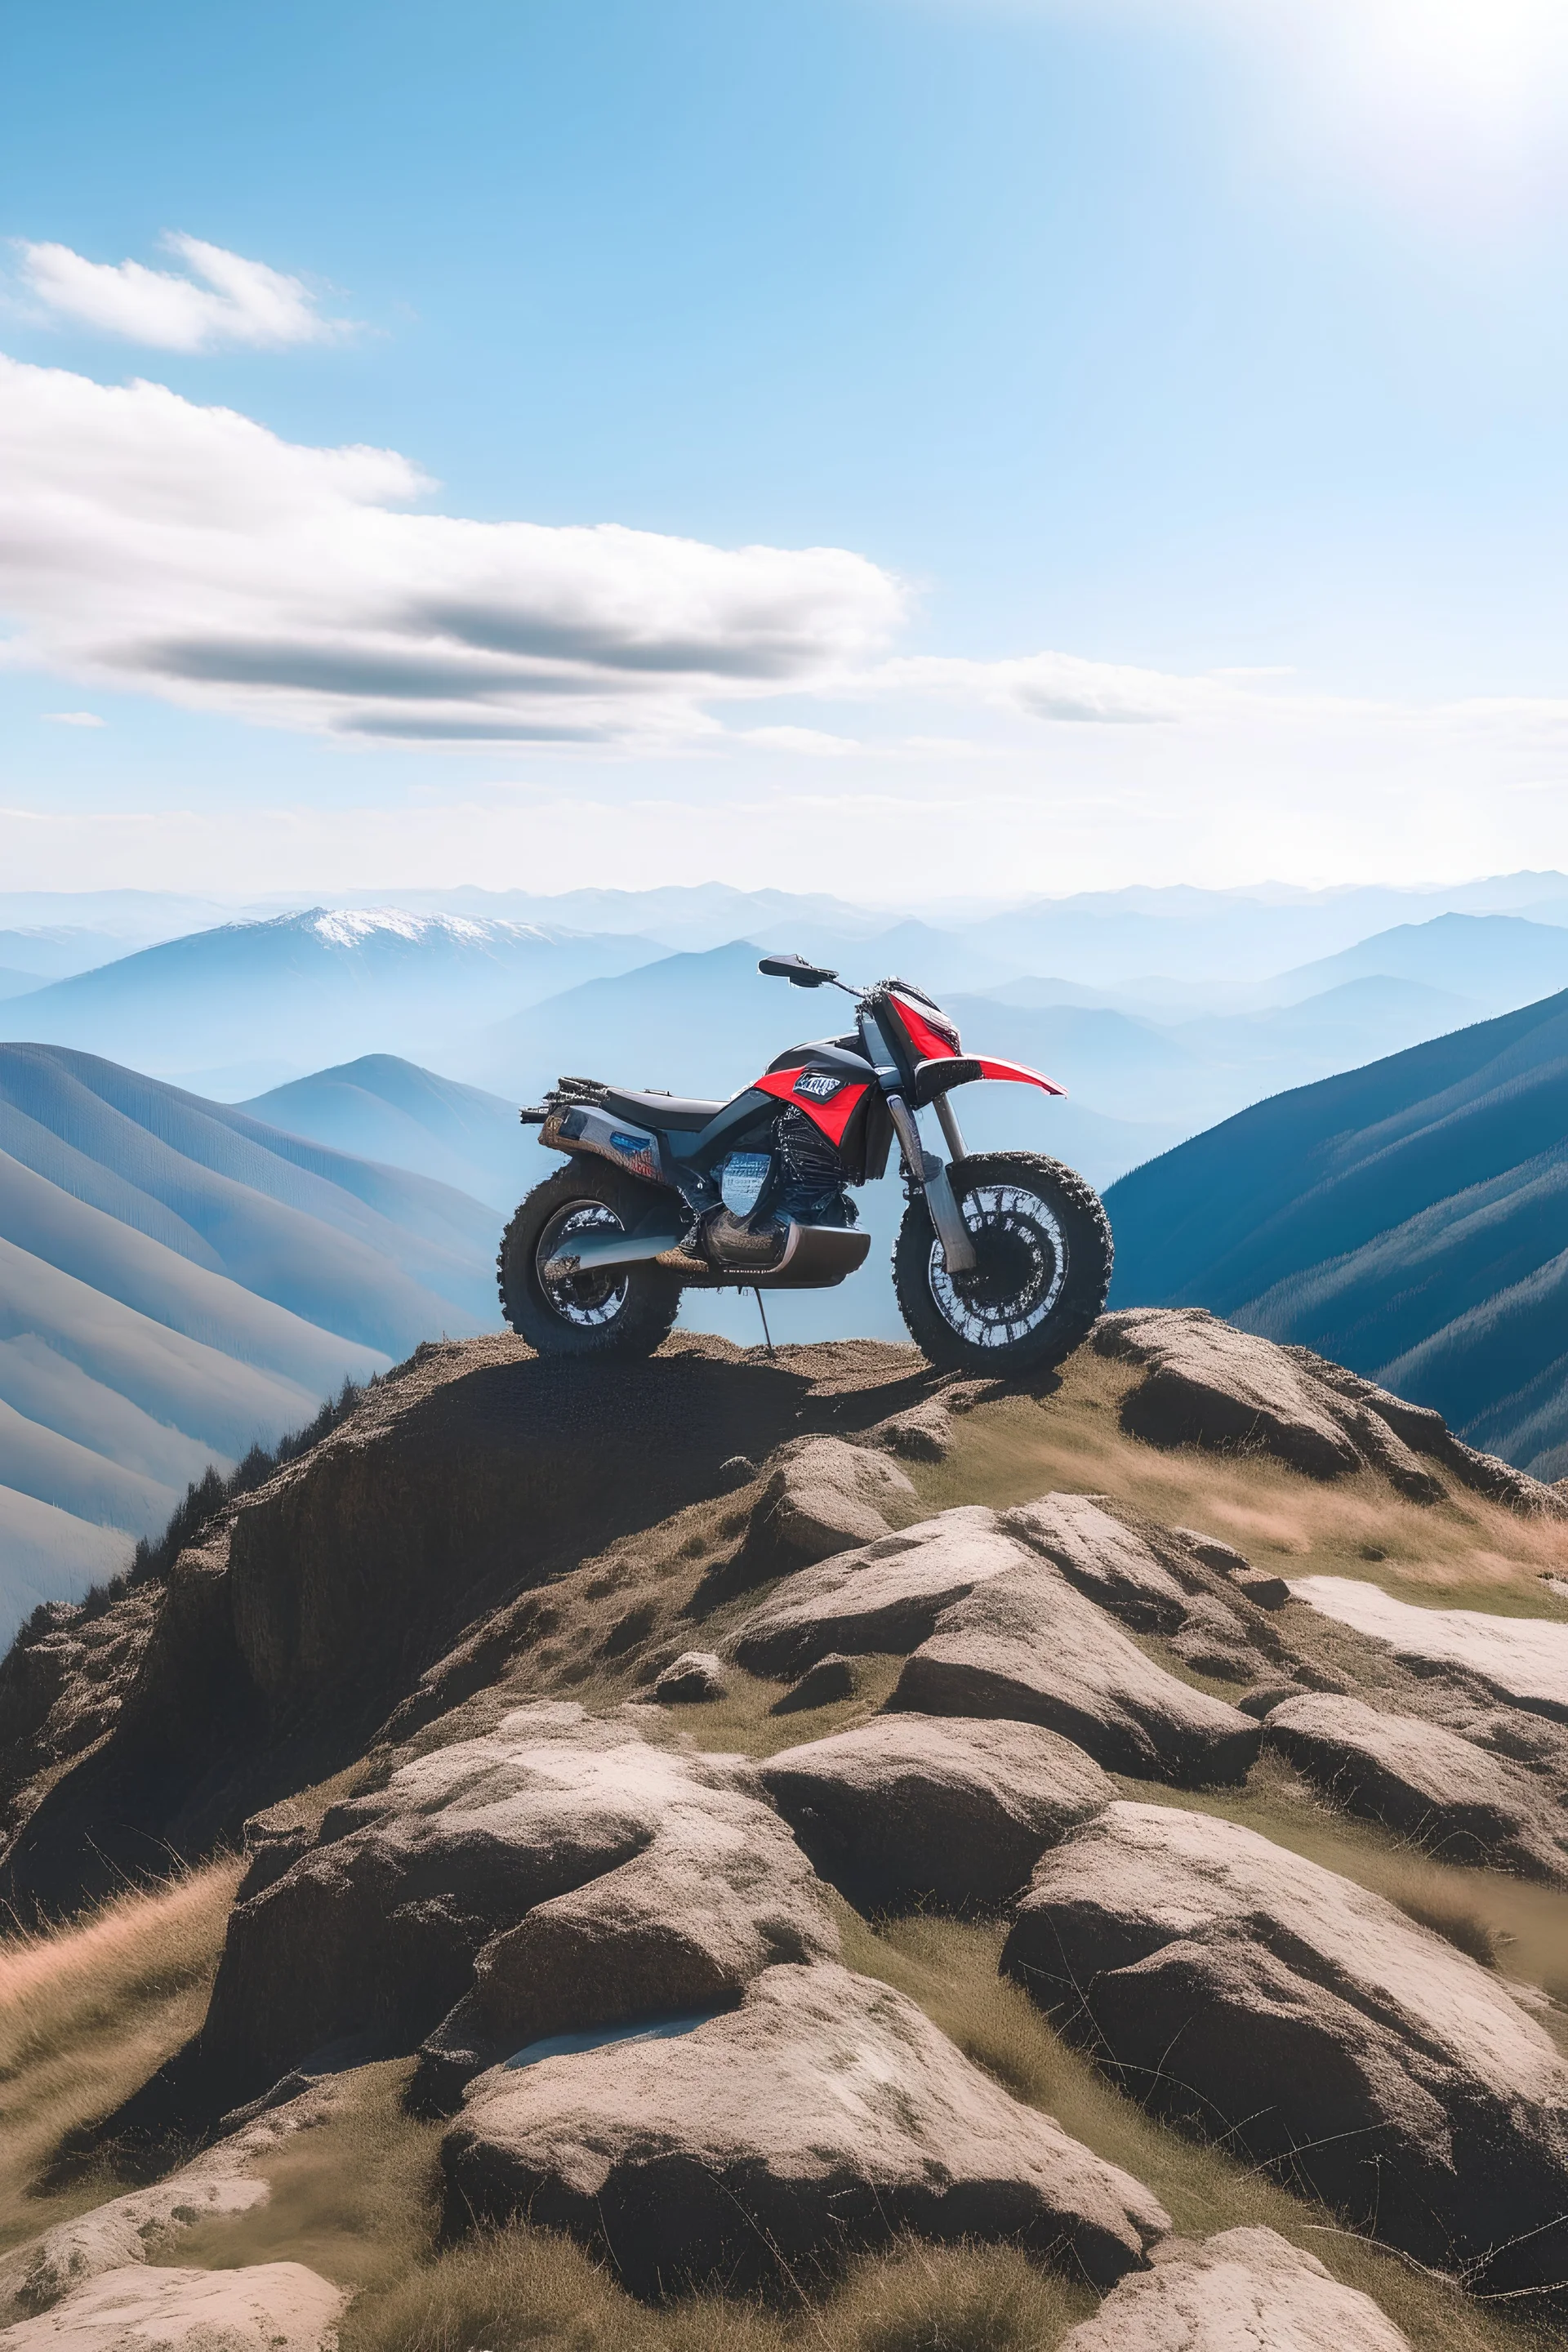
<point x="624" y="1312"/>
<point x="1043" y="1242"/>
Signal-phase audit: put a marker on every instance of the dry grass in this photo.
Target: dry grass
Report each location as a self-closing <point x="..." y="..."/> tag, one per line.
<point x="86" y="2013"/>
<point x="1464" y="1552"/>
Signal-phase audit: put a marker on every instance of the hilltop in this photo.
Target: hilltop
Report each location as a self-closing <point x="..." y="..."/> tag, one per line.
<point x="830" y="1720"/>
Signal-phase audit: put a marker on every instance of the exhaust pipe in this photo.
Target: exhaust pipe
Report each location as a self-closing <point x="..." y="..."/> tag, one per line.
<point x="586" y="1252"/>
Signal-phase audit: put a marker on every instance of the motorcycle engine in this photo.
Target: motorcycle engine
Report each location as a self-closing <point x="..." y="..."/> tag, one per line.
<point x="800" y="1182"/>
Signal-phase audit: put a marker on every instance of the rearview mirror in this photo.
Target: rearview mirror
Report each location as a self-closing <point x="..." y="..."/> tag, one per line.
<point x="796" y="970"/>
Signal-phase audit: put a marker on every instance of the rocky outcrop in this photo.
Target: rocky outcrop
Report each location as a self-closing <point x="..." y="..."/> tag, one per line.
<point x="823" y="1495"/>
<point x="1449" y="1797"/>
<point x="1025" y="1645"/>
<point x="824" y="2115"/>
<point x="913" y="1809"/>
<point x="1208" y="1383"/>
<point x="1105" y="1559"/>
<point x="559" y="1872"/>
<point x="111" y="2237"/>
<point x="1254" y="1996"/>
<point x="693" y="1678"/>
<point x="885" y="1596"/>
<point x="394" y="1566"/>
<point x="269" y="2308"/>
<point x="1521" y="1660"/>
<point x="1242" y="2290"/>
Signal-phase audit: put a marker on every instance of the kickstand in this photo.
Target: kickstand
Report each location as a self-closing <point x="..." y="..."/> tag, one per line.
<point x="764" y="1313"/>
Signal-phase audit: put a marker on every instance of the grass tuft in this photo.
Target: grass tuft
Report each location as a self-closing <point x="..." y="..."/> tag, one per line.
<point x="86" y="2013"/>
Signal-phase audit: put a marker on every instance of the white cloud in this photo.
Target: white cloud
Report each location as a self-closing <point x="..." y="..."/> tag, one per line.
<point x="75" y="718"/>
<point x="222" y="299"/>
<point x="1058" y="686"/>
<point x="187" y="551"/>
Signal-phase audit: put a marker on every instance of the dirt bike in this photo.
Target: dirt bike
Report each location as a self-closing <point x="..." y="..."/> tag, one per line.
<point x="1003" y="1259"/>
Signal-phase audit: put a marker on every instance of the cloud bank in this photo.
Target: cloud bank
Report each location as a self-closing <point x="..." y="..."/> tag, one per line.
<point x="149" y="543"/>
<point x="223" y="299"/>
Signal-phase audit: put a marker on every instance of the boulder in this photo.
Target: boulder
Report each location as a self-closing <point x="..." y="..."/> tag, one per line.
<point x="374" y="1932"/>
<point x="694" y="1678"/>
<point x="1522" y="1660"/>
<point x="1264" y="1591"/>
<point x="1213" y="1640"/>
<point x="914" y="1807"/>
<point x="924" y="1433"/>
<point x="1245" y="2290"/>
<point x="833" y="1678"/>
<point x="825" y="2114"/>
<point x="823" y="1495"/>
<point x="1206" y="1383"/>
<point x="1258" y="1998"/>
<point x="885" y="1596"/>
<point x="1025" y="1645"/>
<point x="1452" y="1798"/>
<point x="269" y="2308"/>
<point x="1103" y="1558"/>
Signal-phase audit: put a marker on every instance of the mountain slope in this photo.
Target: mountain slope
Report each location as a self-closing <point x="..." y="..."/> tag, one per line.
<point x="381" y="1108"/>
<point x="303" y="988"/>
<point x="179" y="1281"/>
<point x="1410" y="1218"/>
<point x="1499" y="960"/>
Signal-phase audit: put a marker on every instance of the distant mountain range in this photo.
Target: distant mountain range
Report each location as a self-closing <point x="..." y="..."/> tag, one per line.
<point x="231" y="1009"/>
<point x="177" y="1281"/>
<point x="1410" y="1218"/>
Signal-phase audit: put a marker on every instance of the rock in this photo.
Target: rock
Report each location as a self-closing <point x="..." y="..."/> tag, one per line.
<point x="825" y="1496"/>
<point x="1523" y="1660"/>
<point x="911" y="1808"/>
<point x="376" y="1930"/>
<point x="1262" y="1697"/>
<point x="1453" y="1799"/>
<point x="886" y="1596"/>
<point x="924" y="1433"/>
<point x="1209" y="1384"/>
<point x="1264" y="1591"/>
<point x="267" y="2308"/>
<point x="832" y="1678"/>
<point x="1244" y="2290"/>
<point x="220" y="2183"/>
<point x="738" y="1471"/>
<point x="1424" y="1431"/>
<point x="1254" y="1996"/>
<point x="824" y="2115"/>
<point x="1212" y="1640"/>
<point x="1025" y="1645"/>
<point x="1102" y="1557"/>
<point x="695" y="1676"/>
<point x="1222" y="1557"/>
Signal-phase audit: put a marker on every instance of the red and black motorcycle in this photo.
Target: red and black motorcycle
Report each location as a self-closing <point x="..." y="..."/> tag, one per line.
<point x="1003" y="1259"/>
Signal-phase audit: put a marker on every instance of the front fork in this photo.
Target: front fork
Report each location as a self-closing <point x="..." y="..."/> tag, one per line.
<point x="928" y="1175"/>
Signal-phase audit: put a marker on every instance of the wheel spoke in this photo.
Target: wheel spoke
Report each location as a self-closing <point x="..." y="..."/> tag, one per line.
<point x="1022" y="1266"/>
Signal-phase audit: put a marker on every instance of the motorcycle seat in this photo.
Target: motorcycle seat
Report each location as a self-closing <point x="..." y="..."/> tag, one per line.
<point x="681" y="1113"/>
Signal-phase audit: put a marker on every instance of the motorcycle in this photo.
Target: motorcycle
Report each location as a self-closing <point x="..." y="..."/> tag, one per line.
<point x="1003" y="1259"/>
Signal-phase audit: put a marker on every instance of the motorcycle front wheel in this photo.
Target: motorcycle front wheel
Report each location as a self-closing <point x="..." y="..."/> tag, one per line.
<point x="1043" y="1252"/>
<point x="620" y="1311"/>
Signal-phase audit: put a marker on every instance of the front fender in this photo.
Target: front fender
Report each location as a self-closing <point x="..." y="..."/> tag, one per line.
<point x="1016" y="1073"/>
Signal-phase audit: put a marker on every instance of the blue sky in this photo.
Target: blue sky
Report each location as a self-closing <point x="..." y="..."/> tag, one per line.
<point x="1180" y="386"/>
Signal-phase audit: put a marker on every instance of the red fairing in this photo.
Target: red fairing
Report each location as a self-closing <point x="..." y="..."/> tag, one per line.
<point x="930" y="1045"/>
<point x="831" y="1111"/>
<point x="1018" y="1074"/>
